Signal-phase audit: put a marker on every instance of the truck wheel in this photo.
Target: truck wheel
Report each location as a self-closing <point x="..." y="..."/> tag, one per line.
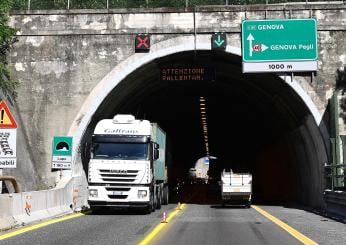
<point x="165" y="195"/>
<point x="147" y="210"/>
<point x="150" y="208"/>
<point x="158" y="198"/>
<point x="95" y="210"/>
<point x="158" y="202"/>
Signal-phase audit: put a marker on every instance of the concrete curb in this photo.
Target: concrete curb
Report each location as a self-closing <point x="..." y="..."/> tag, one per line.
<point x="18" y="209"/>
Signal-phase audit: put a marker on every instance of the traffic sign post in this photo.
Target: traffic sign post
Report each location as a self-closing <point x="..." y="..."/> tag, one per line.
<point x="279" y="45"/>
<point x="62" y="152"/>
<point x="218" y="41"/>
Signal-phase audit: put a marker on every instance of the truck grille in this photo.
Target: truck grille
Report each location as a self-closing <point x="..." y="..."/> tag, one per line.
<point x="117" y="196"/>
<point x="117" y="189"/>
<point x="118" y="180"/>
<point x="118" y="175"/>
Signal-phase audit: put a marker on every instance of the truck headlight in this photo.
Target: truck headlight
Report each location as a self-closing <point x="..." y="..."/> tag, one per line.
<point x="93" y="193"/>
<point x="142" y="193"/>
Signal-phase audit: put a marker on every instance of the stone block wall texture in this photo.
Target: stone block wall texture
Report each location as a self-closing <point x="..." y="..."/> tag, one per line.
<point x="61" y="56"/>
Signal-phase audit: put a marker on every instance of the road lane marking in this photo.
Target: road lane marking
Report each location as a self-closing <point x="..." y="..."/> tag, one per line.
<point x="286" y="227"/>
<point x="40" y="225"/>
<point x="160" y="226"/>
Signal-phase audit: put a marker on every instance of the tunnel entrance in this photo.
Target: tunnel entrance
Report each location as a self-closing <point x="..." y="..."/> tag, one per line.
<point x="256" y="123"/>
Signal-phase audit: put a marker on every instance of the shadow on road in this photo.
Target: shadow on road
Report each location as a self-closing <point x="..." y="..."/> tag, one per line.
<point x="220" y="206"/>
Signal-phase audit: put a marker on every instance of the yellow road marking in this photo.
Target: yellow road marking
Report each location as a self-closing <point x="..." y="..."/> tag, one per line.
<point x="160" y="226"/>
<point x="40" y="225"/>
<point x="289" y="229"/>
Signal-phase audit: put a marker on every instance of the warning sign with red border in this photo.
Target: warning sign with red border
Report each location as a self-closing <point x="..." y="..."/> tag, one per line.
<point x="6" y="118"/>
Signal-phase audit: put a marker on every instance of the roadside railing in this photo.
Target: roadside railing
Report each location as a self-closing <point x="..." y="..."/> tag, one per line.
<point x="335" y="176"/>
<point x="114" y="4"/>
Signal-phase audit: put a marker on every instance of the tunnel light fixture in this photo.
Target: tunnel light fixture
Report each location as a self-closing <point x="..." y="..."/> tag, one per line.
<point x="204" y="124"/>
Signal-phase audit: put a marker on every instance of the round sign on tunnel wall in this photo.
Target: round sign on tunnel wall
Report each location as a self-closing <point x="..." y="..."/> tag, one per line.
<point x="62" y="152"/>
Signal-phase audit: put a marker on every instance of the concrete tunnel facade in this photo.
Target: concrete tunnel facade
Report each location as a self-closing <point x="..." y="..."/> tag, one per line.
<point x="265" y="124"/>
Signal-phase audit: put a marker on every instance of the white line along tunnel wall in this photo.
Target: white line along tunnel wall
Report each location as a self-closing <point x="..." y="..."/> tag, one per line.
<point x="270" y="120"/>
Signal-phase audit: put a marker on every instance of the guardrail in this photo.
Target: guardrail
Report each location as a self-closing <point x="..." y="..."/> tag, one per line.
<point x="335" y="191"/>
<point x="113" y="4"/>
<point x="335" y="204"/>
<point x="335" y="176"/>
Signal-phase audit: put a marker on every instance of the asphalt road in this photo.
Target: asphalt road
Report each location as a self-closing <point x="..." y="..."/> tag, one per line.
<point x="203" y="221"/>
<point x="108" y="228"/>
<point x="194" y="225"/>
<point x="205" y="224"/>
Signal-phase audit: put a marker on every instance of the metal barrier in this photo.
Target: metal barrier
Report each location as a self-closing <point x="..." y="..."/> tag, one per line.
<point x="114" y="4"/>
<point x="334" y="172"/>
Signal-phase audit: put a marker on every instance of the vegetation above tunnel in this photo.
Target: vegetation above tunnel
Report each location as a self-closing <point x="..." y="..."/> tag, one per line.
<point x="103" y="4"/>
<point x="7" y="39"/>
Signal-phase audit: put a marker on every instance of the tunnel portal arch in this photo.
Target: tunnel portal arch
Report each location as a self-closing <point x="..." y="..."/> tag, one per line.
<point x="309" y="131"/>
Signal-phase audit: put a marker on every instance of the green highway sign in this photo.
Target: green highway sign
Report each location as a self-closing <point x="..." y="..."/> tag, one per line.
<point x="62" y="152"/>
<point x="218" y="41"/>
<point x="287" y="42"/>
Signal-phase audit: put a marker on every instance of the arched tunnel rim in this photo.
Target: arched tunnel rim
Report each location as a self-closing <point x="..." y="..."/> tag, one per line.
<point x="131" y="64"/>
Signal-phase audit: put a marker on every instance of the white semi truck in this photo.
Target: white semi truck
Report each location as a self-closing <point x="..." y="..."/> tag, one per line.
<point x="236" y="188"/>
<point x="128" y="167"/>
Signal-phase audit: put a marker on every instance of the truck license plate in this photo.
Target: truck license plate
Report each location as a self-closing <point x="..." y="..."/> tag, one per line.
<point x="118" y="193"/>
<point x="236" y="189"/>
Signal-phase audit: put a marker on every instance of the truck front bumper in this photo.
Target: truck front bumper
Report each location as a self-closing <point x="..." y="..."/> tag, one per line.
<point x="118" y="204"/>
<point x="118" y="196"/>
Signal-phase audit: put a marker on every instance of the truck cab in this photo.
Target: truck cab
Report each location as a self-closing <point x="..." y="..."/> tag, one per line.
<point x="122" y="172"/>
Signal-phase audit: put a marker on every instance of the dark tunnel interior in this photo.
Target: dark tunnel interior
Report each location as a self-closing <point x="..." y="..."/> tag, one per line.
<point x="250" y="119"/>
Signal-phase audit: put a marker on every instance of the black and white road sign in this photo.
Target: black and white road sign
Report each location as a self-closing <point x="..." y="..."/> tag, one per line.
<point x="8" y="138"/>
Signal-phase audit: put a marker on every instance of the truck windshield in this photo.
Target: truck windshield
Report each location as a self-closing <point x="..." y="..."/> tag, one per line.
<point x="126" y="151"/>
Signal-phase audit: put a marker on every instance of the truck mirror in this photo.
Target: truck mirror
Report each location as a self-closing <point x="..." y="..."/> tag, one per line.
<point x="156" y="146"/>
<point x="156" y="154"/>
